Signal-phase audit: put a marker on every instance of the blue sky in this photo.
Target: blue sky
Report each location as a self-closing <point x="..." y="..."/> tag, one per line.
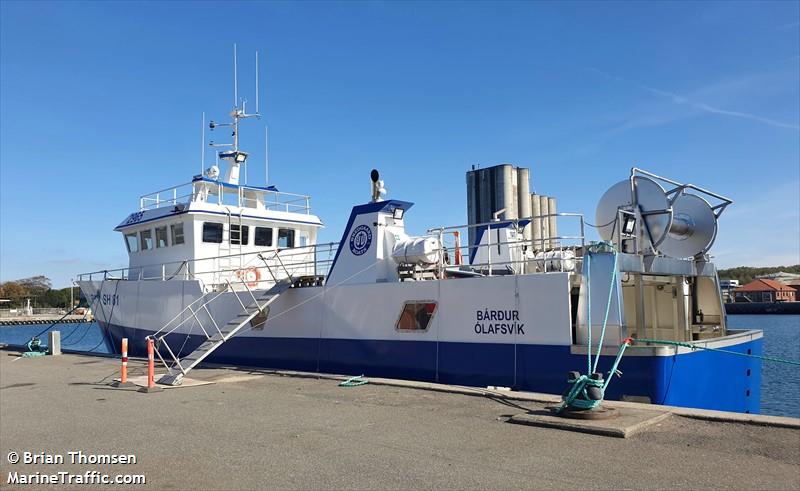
<point x="101" y="103"/>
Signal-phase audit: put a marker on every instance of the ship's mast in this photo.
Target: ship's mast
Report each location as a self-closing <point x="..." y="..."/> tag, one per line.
<point x="234" y="156"/>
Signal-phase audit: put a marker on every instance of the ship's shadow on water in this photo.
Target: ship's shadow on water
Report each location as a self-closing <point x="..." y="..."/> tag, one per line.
<point x="780" y="383"/>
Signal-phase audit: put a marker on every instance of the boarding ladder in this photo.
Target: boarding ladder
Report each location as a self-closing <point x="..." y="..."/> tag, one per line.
<point x="258" y="305"/>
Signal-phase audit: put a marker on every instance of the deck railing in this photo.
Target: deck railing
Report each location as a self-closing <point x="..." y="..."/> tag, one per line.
<point x="221" y="193"/>
<point x="521" y="256"/>
<point x="526" y="256"/>
<point x="307" y="261"/>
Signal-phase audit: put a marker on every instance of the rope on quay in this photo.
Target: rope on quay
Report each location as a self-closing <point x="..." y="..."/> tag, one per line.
<point x="697" y="347"/>
<point x="34" y="349"/>
<point x="356" y="381"/>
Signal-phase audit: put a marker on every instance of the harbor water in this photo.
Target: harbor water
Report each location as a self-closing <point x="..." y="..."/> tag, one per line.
<point x="780" y="389"/>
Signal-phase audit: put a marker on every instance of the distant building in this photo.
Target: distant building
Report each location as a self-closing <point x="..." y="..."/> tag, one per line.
<point x="765" y="290"/>
<point x="782" y="277"/>
<point x="727" y="287"/>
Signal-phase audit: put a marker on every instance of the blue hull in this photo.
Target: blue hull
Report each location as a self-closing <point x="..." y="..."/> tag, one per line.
<point x="700" y="379"/>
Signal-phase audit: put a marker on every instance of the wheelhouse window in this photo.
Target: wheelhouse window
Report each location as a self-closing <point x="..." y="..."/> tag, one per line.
<point x="132" y="241"/>
<point x="177" y="233"/>
<point x="285" y="238"/>
<point x="146" y="239"/>
<point x="416" y="316"/>
<point x="212" y="232"/>
<point x="239" y="234"/>
<point x="161" y="237"/>
<point x="263" y="236"/>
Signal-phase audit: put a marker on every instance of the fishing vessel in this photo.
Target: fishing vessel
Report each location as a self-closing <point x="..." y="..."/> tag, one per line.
<point x="224" y="272"/>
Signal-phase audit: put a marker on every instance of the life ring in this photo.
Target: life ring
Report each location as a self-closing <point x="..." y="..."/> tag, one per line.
<point x="249" y="276"/>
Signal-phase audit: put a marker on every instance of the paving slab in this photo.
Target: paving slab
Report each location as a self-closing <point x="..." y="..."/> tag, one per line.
<point x="626" y="423"/>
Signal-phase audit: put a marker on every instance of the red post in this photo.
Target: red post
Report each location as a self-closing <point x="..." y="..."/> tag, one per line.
<point x="457" y="236"/>
<point x="151" y="367"/>
<point x="123" y="378"/>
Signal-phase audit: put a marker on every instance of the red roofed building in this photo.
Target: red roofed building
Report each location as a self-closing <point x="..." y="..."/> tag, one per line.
<point x="764" y="290"/>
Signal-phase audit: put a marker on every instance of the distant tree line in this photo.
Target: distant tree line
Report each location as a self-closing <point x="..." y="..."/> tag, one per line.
<point x="746" y="274"/>
<point x="39" y="290"/>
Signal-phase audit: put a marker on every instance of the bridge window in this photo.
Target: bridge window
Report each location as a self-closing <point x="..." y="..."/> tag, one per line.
<point x="161" y="236"/>
<point x="212" y="232"/>
<point x="146" y="239"/>
<point x="177" y="233"/>
<point x="263" y="236"/>
<point x="239" y="234"/>
<point x="416" y="316"/>
<point x="132" y="241"/>
<point x="285" y="238"/>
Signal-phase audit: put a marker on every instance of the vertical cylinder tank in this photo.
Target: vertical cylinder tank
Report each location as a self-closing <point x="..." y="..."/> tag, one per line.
<point x="553" y="222"/>
<point x="536" y="224"/>
<point x="544" y="209"/>
<point x="523" y="198"/>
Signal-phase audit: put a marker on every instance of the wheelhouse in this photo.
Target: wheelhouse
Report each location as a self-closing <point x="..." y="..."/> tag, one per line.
<point x="213" y="230"/>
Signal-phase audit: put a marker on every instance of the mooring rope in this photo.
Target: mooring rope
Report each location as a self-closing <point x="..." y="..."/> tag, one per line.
<point x="587" y="392"/>
<point x="698" y="347"/>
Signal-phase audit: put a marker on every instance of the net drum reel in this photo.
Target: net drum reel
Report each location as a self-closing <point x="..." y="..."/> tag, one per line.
<point x="673" y="222"/>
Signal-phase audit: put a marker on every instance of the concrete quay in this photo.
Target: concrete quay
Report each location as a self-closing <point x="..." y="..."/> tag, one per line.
<point x="253" y="429"/>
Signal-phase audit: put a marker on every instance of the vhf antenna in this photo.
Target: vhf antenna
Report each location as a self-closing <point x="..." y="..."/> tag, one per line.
<point x="235" y="80"/>
<point x="239" y="112"/>
<point x="257" y="82"/>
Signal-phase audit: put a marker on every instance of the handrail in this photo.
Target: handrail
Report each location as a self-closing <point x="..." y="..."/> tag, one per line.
<point x="188" y="307"/>
<point x="299" y="203"/>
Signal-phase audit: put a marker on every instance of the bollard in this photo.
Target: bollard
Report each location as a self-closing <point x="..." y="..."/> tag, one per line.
<point x="54" y="343"/>
<point x="123" y="371"/>
<point x="151" y="369"/>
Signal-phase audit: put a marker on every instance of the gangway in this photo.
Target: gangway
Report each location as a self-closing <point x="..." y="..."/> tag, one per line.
<point x="259" y="305"/>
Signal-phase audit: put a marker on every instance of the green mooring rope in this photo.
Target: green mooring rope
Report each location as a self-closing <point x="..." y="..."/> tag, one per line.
<point x="697" y="347"/>
<point x="356" y="381"/>
<point x="578" y="396"/>
<point x="34" y="348"/>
